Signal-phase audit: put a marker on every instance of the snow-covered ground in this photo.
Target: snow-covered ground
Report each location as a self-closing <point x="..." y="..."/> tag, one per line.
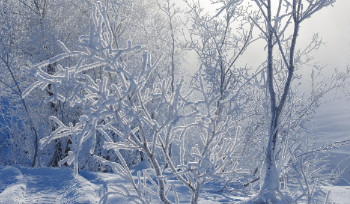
<point x="52" y="185"/>
<point x="332" y="126"/>
<point x="45" y="185"/>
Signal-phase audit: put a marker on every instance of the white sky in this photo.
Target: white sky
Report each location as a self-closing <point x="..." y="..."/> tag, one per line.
<point x="333" y="26"/>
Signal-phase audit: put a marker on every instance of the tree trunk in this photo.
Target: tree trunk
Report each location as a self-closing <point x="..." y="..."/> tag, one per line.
<point x="271" y="176"/>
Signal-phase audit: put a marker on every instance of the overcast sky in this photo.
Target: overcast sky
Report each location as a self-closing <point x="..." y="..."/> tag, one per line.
<point x="333" y="26"/>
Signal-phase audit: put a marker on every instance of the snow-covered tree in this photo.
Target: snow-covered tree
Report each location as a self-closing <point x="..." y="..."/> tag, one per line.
<point x="120" y="106"/>
<point x="219" y="41"/>
<point x="279" y="19"/>
<point x="117" y="103"/>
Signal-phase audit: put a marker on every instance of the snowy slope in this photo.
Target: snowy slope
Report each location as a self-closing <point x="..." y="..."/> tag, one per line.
<point x="45" y="185"/>
<point x="332" y="122"/>
<point x="332" y="126"/>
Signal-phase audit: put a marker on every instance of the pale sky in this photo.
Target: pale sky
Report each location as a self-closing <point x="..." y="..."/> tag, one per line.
<point x="333" y="26"/>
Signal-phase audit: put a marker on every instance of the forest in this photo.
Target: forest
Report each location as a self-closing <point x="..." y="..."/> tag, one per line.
<point x="162" y="101"/>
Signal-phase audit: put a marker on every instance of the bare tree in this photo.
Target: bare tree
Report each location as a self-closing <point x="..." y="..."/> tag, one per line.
<point x="279" y="19"/>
